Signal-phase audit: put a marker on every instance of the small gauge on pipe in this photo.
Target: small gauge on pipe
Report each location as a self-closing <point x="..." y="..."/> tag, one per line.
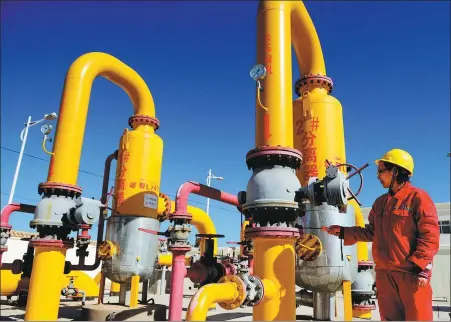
<point x="258" y="72"/>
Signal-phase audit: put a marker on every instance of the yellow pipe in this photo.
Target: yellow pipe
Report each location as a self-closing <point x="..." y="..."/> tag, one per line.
<point x="274" y="260"/>
<point x="74" y="108"/>
<point x="200" y="220"/>
<point x="209" y="295"/>
<point x="114" y="287"/>
<point x="243" y="228"/>
<point x="45" y="286"/>
<point x="134" y="292"/>
<point x="166" y="260"/>
<point x="9" y="282"/>
<point x="362" y="248"/>
<point x="347" y="302"/>
<point x="279" y="25"/>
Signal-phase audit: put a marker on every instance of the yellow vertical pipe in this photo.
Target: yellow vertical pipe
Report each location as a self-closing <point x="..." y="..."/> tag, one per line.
<point x="362" y="248"/>
<point x="274" y="51"/>
<point x="45" y="284"/>
<point x="134" y="291"/>
<point x="67" y="148"/>
<point x="347" y="302"/>
<point x="243" y="229"/>
<point x="274" y="260"/>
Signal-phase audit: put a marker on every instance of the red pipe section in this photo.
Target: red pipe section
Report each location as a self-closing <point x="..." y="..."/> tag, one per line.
<point x="179" y="271"/>
<point x="4" y="218"/>
<point x="177" y="277"/>
<point x="181" y="200"/>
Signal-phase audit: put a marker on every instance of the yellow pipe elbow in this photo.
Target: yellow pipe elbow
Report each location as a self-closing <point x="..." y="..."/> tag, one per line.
<point x="74" y="108"/>
<point x="228" y="294"/>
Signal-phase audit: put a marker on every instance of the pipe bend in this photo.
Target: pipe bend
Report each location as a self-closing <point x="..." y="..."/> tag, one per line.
<point x="13" y="207"/>
<point x="89" y="66"/>
<point x="304" y="37"/>
<point x="210" y="294"/>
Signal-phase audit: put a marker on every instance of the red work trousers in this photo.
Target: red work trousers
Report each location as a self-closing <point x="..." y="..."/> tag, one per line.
<point x="400" y="299"/>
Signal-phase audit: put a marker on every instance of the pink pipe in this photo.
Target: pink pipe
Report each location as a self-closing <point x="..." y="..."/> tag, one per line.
<point x="6" y="213"/>
<point x="181" y="200"/>
<point x="177" y="277"/>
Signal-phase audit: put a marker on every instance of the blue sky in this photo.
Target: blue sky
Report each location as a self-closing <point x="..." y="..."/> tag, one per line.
<point x="389" y="62"/>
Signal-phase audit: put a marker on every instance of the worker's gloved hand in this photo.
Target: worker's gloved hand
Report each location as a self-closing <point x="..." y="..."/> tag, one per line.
<point x="333" y="230"/>
<point x="423" y="278"/>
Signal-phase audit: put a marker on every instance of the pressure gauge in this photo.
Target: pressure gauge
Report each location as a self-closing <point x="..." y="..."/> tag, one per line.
<point x="46" y="129"/>
<point x="258" y="72"/>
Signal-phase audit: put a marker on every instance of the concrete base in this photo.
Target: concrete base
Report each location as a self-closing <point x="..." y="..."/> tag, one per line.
<point x="115" y="312"/>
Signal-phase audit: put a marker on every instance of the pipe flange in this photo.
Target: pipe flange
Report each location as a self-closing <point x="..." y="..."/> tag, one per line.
<point x="5" y="234"/>
<point x="240" y="287"/>
<point x="254" y="290"/>
<point x="179" y="248"/>
<point x="362" y="265"/>
<point x="273" y="155"/>
<point x="308" y="247"/>
<point x="272" y="212"/>
<point x="53" y="243"/>
<point x="180" y="216"/>
<point x="140" y="119"/>
<point x="58" y="188"/>
<point x="364" y="307"/>
<point x="309" y="82"/>
<point x="272" y="231"/>
<point x="179" y="233"/>
<point x="3" y="249"/>
<point x="167" y="207"/>
<point x="107" y="249"/>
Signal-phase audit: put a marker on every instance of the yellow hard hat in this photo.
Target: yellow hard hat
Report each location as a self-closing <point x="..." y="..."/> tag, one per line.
<point x="400" y="158"/>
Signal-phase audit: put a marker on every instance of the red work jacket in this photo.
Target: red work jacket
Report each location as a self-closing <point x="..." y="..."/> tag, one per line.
<point x="404" y="230"/>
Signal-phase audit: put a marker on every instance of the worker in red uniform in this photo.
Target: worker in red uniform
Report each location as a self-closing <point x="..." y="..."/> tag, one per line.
<point x="404" y="229"/>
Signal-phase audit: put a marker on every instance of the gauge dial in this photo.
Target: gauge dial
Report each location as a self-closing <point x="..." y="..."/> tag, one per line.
<point x="258" y="72"/>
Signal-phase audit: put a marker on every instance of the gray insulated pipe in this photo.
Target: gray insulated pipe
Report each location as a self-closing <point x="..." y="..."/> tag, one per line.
<point x="336" y="262"/>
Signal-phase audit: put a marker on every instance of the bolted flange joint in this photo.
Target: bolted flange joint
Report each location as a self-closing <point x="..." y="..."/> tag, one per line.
<point x="5" y="234"/>
<point x="255" y="290"/>
<point x="241" y="289"/>
<point x="311" y="81"/>
<point x="273" y="155"/>
<point x="272" y="231"/>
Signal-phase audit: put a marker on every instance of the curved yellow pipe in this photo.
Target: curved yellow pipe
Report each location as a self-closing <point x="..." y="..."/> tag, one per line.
<point x="200" y="220"/>
<point x="279" y="25"/>
<point x="208" y="295"/>
<point x="9" y="282"/>
<point x="74" y="108"/>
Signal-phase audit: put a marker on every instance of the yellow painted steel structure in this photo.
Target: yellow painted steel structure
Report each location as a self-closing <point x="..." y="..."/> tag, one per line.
<point x="134" y="291"/>
<point x="209" y="295"/>
<point x="281" y="24"/>
<point x="11" y="284"/>
<point x="44" y="293"/>
<point x="45" y="287"/>
<point x="138" y="172"/>
<point x="273" y="259"/>
<point x="73" y="112"/>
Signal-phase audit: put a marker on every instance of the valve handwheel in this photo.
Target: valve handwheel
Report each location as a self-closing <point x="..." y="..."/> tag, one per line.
<point x="357" y="171"/>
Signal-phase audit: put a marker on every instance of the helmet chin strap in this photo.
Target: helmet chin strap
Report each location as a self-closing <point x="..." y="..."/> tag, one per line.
<point x="393" y="178"/>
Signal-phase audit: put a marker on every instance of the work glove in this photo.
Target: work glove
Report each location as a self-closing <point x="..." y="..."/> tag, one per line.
<point x="333" y="230"/>
<point x="423" y="277"/>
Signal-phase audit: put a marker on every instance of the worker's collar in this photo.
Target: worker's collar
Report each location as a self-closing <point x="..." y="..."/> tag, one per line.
<point x="403" y="191"/>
